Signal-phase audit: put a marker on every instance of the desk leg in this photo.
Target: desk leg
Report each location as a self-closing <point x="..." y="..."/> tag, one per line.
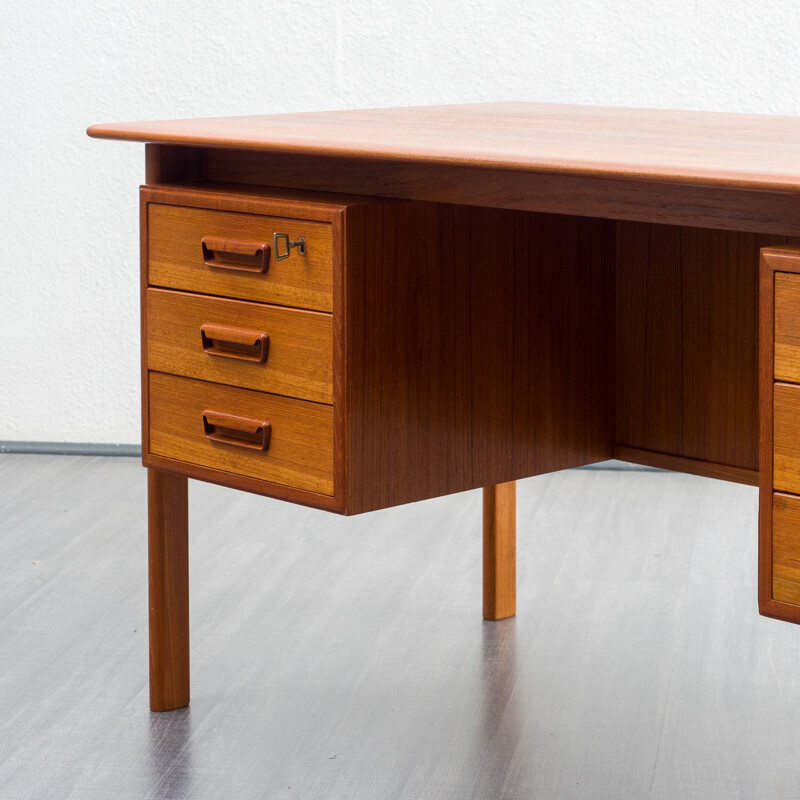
<point x="500" y="551"/>
<point x="168" y="546"/>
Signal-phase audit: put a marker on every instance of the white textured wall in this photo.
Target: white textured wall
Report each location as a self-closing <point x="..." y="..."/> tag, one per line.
<point x="68" y="204"/>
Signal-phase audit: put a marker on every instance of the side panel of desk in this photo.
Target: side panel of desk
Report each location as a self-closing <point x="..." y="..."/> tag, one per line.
<point x="478" y="348"/>
<point x="687" y="348"/>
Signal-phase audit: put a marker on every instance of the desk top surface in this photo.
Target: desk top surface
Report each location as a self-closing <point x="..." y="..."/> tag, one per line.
<point x="710" y="148"/>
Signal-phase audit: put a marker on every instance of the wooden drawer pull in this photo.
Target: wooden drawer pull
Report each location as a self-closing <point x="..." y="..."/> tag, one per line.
<point x="245" y="432"/>
<point x="219" y="340"/>
<point x="230" y="254"/>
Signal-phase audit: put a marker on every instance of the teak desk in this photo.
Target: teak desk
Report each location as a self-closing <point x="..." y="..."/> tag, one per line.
<point x="442" y="298"/>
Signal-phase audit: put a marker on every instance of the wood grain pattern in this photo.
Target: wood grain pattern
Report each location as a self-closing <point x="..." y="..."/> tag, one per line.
<point x="176" y="257"/>
<point x="168" y="559"/>
<point x="786" y="548"/>
<point x="772" y="259"/>
<point x="264" y="202"/>
<point x="786" y="438"/>
<point x="778" y="594"/>
<point x="715" y="149"/>
<point x="144" y="384"/>
<point x="727" y="171"/>
<point x="622" y="198"/>
<point x="687" y="343"/>
<point x="301" y="451"/>
<point x="166" y="163"/>
<point x="500" y="551"/>
<point x="477" y="348"/>
<point x="299" y="362"/>
<point x="787" y="327"/>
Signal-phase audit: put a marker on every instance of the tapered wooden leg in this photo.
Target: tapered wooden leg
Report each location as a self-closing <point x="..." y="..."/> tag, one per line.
<point x="500" y="551"/>
<point x="168" y="547"/>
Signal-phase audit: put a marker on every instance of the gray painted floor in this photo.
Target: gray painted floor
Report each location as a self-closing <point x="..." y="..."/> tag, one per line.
<point x="346" y="658"/>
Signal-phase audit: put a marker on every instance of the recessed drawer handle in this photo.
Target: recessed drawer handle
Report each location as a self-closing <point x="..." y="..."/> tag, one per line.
<point x="252" y="434"/>
<point x="230" y="254"/>
<point x="219" y="340"/>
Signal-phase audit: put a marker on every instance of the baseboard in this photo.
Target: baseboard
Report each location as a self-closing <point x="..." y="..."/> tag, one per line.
<point x="71" y="449"/>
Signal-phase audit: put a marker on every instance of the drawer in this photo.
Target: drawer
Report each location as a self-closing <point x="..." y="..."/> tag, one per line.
<point x="787" y="327"/>
<point x="786" y="548"/>
<point x="218" y="426"/>
<point x="270" y="348"/>
<point x="786" y="438"/>
<point x="200" y="250"/>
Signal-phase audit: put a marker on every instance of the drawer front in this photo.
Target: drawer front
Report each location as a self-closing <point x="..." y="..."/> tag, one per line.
<point x="222" y="427"/>
<point x="177" y="256"/>
<point x="270" y="348"/>
<point x="786" y="438"/>
<point x="786" y="548"/>
<point x="787" y="327"/>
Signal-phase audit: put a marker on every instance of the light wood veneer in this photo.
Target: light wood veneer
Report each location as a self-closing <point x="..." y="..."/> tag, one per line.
<point x="779" y="531"/>
<point x="786" y="438"/>
<point x="300" y="453"/>
<point x="787" y="327"/>
<point x="298" y="354"/>
<point x="722" y="149"/>
<point x="786" y="549"/>
<point x="176" y="256"/>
